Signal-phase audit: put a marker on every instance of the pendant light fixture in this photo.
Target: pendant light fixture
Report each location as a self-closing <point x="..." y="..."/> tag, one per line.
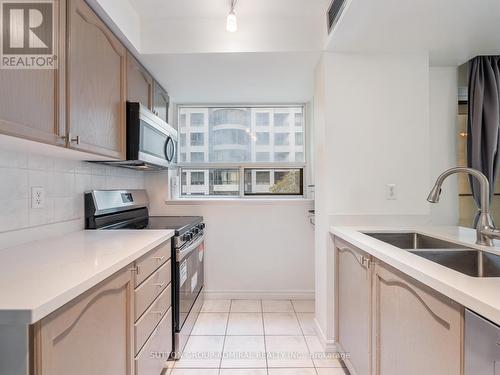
<point x="232" y="22"/>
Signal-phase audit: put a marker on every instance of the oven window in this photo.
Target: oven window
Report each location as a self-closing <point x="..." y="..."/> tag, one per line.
<point x="152" y="141"/>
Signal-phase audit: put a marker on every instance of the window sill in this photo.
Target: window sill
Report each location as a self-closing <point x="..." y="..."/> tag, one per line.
<point x="238" y="201"/>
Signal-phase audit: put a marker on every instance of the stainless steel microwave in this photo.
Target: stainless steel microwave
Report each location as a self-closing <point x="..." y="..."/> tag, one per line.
<point x="151" y="142"/>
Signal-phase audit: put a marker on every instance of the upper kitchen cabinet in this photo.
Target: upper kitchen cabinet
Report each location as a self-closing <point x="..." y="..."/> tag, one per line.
<point x="30" y="98"/>
<point x="96" y="84"/>
<point x="139" y="83"/>
<point x="160" y="101"/>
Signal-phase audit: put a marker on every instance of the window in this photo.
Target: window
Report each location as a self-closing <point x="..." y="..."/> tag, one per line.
<point x="299" y="139"/>
<point x="247" y="150"/>
<point x="275" y="182"/>
<point x="197" y="139"/>
<point x="262" y="178"/>
<point x="197" y="157"/>
<point x="262" y="119"/>
<point x="197" y="119"/>
<point x="281" y="156"/>
<point x="299" y="119"/>
<point x="281" y="139"/>
<point x="230" y="137"/>
<point x="262" y="139"/>
<point x="182" y="121"/>
<point x="281" y="119"/>
<point x="197" y="178"/>
<point x="262" y="157"/>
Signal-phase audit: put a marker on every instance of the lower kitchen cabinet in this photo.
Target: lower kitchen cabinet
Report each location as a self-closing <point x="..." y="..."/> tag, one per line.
<point x="354" y="279"/>
<point x="91" y="335"/>
<point x="391" y="324"/>
<point x="416" y="330"/>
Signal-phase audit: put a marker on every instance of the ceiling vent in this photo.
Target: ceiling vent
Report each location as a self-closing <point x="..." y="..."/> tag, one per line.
<point x="334" y="12"/>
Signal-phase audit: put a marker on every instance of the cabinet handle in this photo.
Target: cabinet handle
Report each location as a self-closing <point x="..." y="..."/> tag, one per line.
<point x="159" y="259"/>
<point x="135" y="269"/>
<point x="159" y="285"/>
<point x="70" y="139"/>
<point x="365" y="261"/>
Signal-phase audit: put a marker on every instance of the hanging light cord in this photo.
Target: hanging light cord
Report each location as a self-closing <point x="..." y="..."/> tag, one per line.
<point x="233" y="4"/>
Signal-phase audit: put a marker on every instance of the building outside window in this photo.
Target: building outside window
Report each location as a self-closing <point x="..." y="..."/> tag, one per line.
<point x="262" y="157"/>
<point x="262" y="178"/>
<point x="197" y="157"/>
<point x="299" y="139"/>
<point x="281" y="139"/>
<point x="197" y="178"/>
<point x="299" y="119"/>
<point x="197" y="139"/>
<point x="262" y="138"/>
<point x="262" y="119"/>
<point x="281" y="119"/>
<point x="197" y="119"/>
<point x="241" y="151"/>
<point x="281" y="156"/>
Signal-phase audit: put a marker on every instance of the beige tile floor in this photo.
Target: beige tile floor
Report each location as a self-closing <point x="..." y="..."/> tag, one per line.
<point x="254" y="337"/>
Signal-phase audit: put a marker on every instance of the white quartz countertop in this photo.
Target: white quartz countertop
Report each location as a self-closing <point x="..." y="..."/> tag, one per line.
<point x="481" y="295"/>
<point x="37" y="278"/>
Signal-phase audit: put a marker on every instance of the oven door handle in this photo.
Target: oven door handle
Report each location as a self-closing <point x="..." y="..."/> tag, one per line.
<point x="180" y="254"/>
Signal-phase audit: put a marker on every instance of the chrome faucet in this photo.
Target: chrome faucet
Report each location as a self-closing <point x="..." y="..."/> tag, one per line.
<point x="485" y="228"/>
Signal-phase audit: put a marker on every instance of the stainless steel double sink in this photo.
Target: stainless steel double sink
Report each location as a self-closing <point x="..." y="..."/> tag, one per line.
<point x="471" y="262"/>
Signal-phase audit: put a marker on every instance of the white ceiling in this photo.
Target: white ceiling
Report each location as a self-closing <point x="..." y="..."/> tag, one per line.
<point x="452" y="31"/>
<point x="195" y="9"/>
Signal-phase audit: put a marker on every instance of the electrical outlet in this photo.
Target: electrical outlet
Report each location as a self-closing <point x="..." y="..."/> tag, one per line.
<point x="37" y="197"/>
<point x="391" y="192"/>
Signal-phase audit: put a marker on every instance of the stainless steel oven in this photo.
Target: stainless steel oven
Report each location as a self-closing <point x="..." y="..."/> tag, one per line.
<point x="129" y="209"/>
<point x="188" y="286"/>
<point x="151" y="142"/>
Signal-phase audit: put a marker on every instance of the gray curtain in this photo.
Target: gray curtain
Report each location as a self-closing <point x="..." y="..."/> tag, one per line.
<point x="483" y="151"/>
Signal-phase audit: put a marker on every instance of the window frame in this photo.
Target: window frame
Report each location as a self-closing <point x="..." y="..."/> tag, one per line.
<point x="303" y="165"/>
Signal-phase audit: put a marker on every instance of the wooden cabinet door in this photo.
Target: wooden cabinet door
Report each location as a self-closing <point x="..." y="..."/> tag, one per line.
<point x="354" y="306"/>
<point x="32" y="101"/>
<point x="90" y="335"/>
<point x="97" y="87"/>
<point x="416" y="330"/>
<point x="139" y="83"/>
<point x="160" y="102"/>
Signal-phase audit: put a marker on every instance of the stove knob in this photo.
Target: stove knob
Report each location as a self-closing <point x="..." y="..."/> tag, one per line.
<point x="202" y="225"/>
<point x="196" y="230"/>
<point x="187" y="236"/>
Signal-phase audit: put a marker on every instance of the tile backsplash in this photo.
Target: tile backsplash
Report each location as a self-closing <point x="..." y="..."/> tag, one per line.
<point x="63" y="181"/>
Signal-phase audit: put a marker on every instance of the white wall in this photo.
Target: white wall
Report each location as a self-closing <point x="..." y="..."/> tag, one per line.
<point x="444" y="137"/>
<point x="254" y="249"/>
<point x="64" y="182"/>
<point x="372" y="129"/>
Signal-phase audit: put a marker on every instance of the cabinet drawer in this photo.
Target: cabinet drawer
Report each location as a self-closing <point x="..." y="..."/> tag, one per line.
<point x="146" y="324"/>
<point x="151" y="261"/>
<point x="146" y="293"/>
<point x="154" y="354"/>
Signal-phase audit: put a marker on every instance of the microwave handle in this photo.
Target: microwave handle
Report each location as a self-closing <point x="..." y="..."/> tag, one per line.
<point x="167" y="156"/>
